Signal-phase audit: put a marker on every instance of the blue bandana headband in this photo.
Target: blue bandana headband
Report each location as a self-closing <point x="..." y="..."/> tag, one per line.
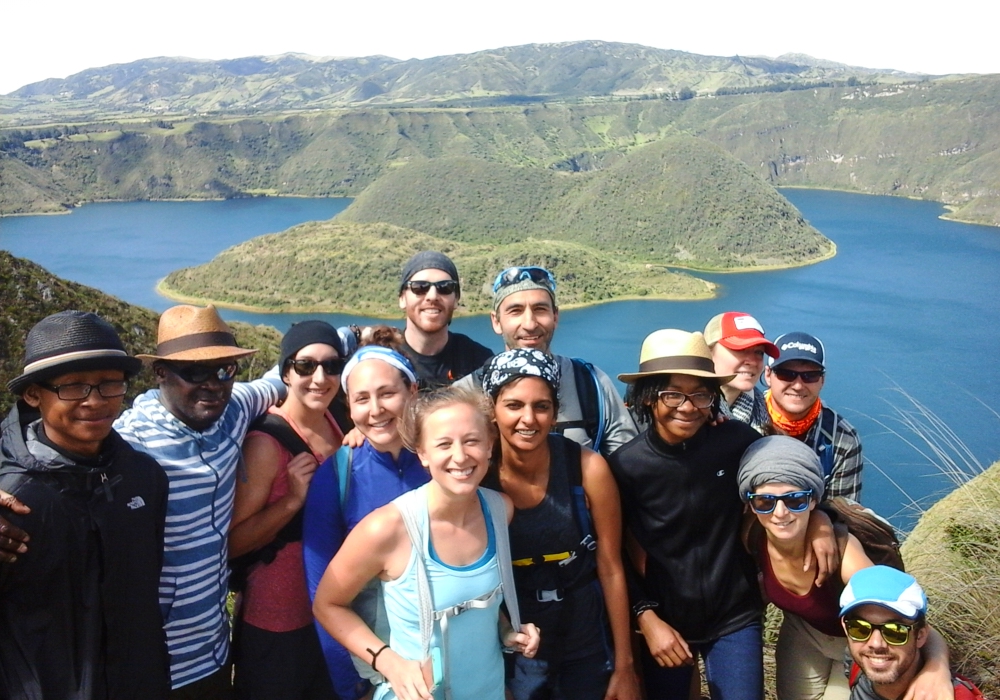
<point x="522" y="362"/>
<point x="377" y="352"/>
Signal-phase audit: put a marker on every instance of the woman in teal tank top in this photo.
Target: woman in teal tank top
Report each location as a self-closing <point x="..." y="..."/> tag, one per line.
<point x="452" y="433"/>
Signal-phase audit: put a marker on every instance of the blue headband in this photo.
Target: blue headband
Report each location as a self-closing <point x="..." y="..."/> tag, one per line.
<point x="377" y="352"/>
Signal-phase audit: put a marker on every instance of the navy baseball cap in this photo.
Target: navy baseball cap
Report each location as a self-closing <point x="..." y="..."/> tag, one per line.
<point x="798" y="346"/>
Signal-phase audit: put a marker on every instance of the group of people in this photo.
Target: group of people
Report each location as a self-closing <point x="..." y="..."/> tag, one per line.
<point x="465" y="504"/>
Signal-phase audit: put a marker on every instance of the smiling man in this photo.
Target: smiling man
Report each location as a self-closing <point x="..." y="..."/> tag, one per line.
<point x="796" y="379"/>
<point x="883" y="612"/>
<point x="194" y="425"/>
<point x="80" y="609"/>
<point x="429" y="291"/>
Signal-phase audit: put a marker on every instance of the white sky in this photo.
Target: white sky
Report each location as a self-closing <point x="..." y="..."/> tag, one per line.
<point x="59" y="38"/>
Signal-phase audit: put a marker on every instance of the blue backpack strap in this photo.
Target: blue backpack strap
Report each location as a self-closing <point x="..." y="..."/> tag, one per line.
<point x="588" y="389"/>
<point x="824" y="441"/>
<point x="581" y="513"/>
<point x="345" y="457"/>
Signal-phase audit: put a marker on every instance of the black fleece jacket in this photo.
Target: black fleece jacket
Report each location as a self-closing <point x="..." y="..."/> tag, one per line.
<point x="79" y="611"/>
<point x="681" y="503"/>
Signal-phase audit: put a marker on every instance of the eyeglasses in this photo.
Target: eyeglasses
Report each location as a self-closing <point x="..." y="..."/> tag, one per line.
<point x="110" y="389"/>
<point x="810" y="376"/>
<point x="795" y="501"/>
<point x="306" y="368"/>
<point x="676" y="399"/>
<point x="513" y="275"/>
<point x="199" y="374"/>
<point x="421" y="287"/>
<point x="893" y="633"/>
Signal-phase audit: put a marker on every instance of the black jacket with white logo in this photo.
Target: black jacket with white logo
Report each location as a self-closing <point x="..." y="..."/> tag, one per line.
<point x="79" y="611"/>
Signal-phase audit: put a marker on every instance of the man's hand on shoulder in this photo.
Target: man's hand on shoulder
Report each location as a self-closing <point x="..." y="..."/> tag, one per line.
<point x="13" y="540"/>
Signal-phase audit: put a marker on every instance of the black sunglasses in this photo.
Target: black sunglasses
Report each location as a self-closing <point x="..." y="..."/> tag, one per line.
<point x="421" y="287"/>
<point x="893" y="633"/>
<point x="199" y="374"/>
<point x="306" y="367"/>
<point x="109" y="389"/>
<point x="795" y="501"/>
<point x="809" y="376"/>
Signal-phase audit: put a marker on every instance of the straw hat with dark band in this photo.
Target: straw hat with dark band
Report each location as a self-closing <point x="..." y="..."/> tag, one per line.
<point x="71" y="341"/>
<point x="672" y="351"/>
<point x="194" y="334"/>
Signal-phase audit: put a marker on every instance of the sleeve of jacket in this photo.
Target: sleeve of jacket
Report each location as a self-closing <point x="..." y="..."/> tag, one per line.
<point x="259" y="395"/>
<point x="323" y="532"/>
<point x="619" y="428"/>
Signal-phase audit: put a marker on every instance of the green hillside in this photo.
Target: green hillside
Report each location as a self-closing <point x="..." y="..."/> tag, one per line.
<point x="937" y="139"/>
<point x="354" y="268"/>
<point x="29" y="293"/>
<point x="679" y="201"/>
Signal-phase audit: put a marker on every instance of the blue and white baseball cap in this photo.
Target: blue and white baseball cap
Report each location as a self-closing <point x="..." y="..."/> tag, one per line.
<point x="798" y="346"/>
<point x="886" y="587"/>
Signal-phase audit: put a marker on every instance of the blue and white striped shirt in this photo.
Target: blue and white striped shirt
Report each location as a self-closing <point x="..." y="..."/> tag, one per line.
<point x="201" y="467"/>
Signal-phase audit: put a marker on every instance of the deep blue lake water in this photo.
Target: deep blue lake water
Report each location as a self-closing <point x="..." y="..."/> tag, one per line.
<point x="910" y="302"/>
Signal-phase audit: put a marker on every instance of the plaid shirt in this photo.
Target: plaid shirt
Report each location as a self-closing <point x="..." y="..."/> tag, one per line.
<point x="845" y="479"/>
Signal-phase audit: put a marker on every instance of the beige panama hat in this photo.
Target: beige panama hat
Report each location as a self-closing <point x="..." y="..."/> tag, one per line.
<point x="194" y="334"/>
<point x="672" y="351"/>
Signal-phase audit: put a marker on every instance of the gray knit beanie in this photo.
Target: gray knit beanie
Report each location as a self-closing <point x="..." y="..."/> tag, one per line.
<point x="780" y="459"/>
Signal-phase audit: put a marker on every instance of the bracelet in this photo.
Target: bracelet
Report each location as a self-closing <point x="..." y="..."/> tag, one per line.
<point x="375" y="655"/>
<point x="642" y="606"/>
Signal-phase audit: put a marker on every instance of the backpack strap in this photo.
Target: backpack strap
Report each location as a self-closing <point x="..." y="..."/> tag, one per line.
<point x="588" y="389"/>
<point x="344" y="461"/>
<point x="277" y="427"/>
<point x="498" y="512"/>
<point x="574" y="470"/>
<point x="824" y="441"/>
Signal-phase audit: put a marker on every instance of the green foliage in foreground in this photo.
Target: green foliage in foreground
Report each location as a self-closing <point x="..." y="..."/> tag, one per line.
<point x="679" y="201"/>
<point x="954" y="551"/>
<point x="354" y="268"/>
<point x="29" y="293"/>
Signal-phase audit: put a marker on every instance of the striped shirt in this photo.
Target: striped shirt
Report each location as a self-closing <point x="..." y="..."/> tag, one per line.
<point x="201" y="467"/>
<point x="750" y="408"/>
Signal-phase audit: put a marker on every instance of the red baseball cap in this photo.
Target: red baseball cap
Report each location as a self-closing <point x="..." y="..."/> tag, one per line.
<point x="738" y="331"/>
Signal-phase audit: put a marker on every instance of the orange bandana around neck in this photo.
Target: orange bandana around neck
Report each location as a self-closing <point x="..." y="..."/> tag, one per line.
<point x="794" y="428"/>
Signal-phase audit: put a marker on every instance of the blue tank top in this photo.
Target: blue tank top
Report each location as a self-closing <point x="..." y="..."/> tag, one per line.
<point x="475" y="656"/>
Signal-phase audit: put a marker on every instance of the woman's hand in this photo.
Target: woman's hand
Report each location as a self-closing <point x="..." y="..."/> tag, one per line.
<point x="301" y="468"/>
<point x="665" y="644"/>
<point x="406" y="677"/>
<point x="624" y="685"/>
<point x="526" y="641"/>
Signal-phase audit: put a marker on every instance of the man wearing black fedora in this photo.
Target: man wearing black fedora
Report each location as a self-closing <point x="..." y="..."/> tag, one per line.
<point x="194" y="426"/>
<point x="80" y="609"/>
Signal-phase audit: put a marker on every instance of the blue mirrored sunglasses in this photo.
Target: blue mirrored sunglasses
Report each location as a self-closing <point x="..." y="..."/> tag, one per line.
<point x="513" y="275"/>
<point x="795" y="501"/>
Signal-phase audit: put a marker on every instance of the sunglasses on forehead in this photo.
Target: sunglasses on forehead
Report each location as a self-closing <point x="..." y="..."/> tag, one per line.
<point x="513" y="275"/>
<point x="199" y="374"/>
<point x="893" y="633"/>
<point x="422" y="287"/>
<point x="795" y="501"/>
<point x="809" y="376"/>
<point x="306" y="367"/>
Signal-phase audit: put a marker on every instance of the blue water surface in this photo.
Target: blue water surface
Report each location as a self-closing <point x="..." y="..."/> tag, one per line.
<point x="909" y="303"/>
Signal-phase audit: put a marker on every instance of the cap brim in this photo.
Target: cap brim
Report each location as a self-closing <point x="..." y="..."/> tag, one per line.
<point x="631" y="377"/>
<point x="736" y="343"/>
<point x="207" y="354"/>
<point x="131" y="366"/>
<point x="907" y="611"/>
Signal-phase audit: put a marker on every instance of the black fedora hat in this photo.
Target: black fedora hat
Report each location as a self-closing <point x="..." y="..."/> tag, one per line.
<point x="71" y="341"/>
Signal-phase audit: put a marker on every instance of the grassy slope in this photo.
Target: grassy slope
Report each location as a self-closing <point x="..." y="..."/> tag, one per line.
<point x="954" y="551"/>
<point x="28" y="293"/>
<point x="938" y="140"/>
<point x="354" y="268"/>
<point x="677" y="201"/>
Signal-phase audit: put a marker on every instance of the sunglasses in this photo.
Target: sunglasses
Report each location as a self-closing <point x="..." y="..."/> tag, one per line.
<point x="199" y="374"/>
<point x="893" y="633"/>
<point x="513" y="275"/>
<point x="795" y="501"/>
<point x="421" y="287"/>
<point x="809" y="376"/>
<point x="676" y="399"/>
<point x="109" y="389"/>
<point x="306" y="368"/>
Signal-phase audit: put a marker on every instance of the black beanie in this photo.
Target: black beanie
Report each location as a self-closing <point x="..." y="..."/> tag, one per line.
<point x="306" y="333"/>
<point x="427" y="260"/>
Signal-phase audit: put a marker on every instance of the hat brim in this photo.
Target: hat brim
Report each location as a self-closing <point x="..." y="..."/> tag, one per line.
<point x="209" y="353"/>
<point x="629" y="378"/>
<point x="737" y="343"/>
<point x="131" y="366"/>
